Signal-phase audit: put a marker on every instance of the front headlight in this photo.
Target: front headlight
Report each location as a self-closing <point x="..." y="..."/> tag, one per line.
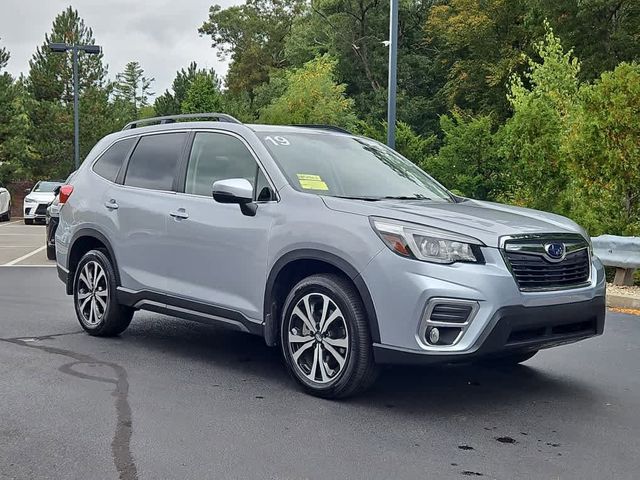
<point x="427" y="244"/>
<point x="29" y="200"/>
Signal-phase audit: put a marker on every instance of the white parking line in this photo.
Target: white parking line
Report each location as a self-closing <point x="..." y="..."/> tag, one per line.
<point x="24" y="257"/>
<point x="10" y="223"/>
<point x="29" y="266"/>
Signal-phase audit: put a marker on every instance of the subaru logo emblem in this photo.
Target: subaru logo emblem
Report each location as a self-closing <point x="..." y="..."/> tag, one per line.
<point x="555" y="251"/>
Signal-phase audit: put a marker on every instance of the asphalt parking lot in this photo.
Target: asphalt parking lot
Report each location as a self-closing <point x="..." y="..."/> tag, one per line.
<point x="173" y="399"/>
<point x="22" y="244"/>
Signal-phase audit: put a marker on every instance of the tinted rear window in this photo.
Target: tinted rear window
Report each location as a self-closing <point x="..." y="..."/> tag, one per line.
<point x="154" y="162"/>
<point x="108" y="165"/>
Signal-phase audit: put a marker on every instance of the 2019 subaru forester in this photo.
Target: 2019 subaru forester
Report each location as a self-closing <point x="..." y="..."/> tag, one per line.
<point x="329" y="244"/>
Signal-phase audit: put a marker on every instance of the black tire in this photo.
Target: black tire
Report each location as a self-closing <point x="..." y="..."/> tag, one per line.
<point x="115" y="317"/>
<point x="28" y="221"/>
<point x="51" y="252"/>
<point x="6" y="217"/>
<point x="358" y="370"/>
<point x="511" y="358"/>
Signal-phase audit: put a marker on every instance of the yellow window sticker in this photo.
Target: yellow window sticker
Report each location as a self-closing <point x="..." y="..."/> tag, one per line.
<point x="312" y="182"/>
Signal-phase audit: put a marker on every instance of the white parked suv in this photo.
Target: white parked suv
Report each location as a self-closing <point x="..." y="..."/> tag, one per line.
<point x="5" y="204"/>
<point x="38" y="199"/>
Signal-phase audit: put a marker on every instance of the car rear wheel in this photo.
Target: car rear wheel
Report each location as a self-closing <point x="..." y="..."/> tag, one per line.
<point x="6" y="217"/>
<point x="325" y="337"/>
<point x="94" y="294"/>
<point x="51" y="252"/>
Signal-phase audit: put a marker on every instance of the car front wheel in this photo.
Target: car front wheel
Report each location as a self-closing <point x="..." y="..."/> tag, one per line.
<point x="94" y="294"/>
<point x="51" y="252"/>
<point x="325" y="337"/>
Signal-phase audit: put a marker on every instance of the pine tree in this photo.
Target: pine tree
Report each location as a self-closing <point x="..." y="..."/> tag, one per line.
<point x="170" y="102"/>
<point x="50" y="106"/>
<point x="4" y="57"/>
<point x="133" y="88"/>
<point x="51" y="73"/>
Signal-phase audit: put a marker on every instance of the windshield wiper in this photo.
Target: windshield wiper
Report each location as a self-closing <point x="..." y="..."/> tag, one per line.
<point x="368" y="199"/>
<point x="415" y="196"/>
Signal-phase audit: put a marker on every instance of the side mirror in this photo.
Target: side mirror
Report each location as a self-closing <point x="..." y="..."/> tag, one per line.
<point x="27" y="191"/>
<point x="236" y="190"/>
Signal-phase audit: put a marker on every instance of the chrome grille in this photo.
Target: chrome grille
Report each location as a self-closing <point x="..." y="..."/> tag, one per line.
<point x="533" y="269"/>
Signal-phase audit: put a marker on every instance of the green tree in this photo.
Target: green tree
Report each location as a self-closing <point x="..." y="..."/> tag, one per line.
<point x="543" y="100"/>
<point x="602" y="33"/>
<point x="50" y="99"/>
<point x="4" y="57"/>
<point x="170" y="102"/>
<point x="50" y="73"/>
<point x="604" y="144"/>
<point x="15" y="147"/>
<point x="311" y="96"/>
<point x="354" y="33"/>
<point x="481" y="43"/>
<point x="254" y="36"/>
<point x="468" y="162"/>
<point x="203" y="94"/>
<point x="133" y="88"/>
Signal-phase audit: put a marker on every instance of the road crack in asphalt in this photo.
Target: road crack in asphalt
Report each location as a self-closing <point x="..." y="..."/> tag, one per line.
<point x="121" y="443"/>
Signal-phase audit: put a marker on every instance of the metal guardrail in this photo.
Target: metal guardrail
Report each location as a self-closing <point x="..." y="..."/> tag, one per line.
<point x="623" y="253"/>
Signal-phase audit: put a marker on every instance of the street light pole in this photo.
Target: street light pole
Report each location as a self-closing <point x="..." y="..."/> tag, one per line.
<point x="393" y="64"/>
<point x="91" y="50"/>
<point x="76" y="113"/>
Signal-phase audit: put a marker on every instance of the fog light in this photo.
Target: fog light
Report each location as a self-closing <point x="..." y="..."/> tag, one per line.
<point x="434" y="335"/>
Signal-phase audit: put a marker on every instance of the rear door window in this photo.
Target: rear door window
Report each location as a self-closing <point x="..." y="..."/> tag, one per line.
<point x="110" y="162"/>
<point x="154" y="162"/>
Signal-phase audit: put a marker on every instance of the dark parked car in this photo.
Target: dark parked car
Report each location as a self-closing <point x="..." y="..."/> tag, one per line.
<point x="52" y="218"/>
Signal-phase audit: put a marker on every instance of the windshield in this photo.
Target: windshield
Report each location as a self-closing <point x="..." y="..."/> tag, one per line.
<point x="344" y="166"/>
<point x="46" y="186"/>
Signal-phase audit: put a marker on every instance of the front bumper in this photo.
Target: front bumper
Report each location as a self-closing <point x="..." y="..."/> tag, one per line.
<point x="516" y="328"/>
<point x="33" y="211"/>
<point x="402" y="289"/>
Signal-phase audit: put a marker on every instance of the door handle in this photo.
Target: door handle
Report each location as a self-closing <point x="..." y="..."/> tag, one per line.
<point x="179" y="214"/>
<point x="111" y="204"/>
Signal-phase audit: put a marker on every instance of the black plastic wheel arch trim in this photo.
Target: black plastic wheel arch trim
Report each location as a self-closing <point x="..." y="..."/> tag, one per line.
<point x="271" y="317"/>
<point x="91" y="233"/>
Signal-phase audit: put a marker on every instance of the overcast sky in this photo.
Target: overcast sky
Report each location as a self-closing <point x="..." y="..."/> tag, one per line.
<point x="160" y="34"/>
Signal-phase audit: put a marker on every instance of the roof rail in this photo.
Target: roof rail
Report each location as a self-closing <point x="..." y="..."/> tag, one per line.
<point x="332" y="128"/>
<point x="218" y="117"/>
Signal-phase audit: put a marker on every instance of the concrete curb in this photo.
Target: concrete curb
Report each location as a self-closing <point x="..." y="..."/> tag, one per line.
<point x="620" y="301"/>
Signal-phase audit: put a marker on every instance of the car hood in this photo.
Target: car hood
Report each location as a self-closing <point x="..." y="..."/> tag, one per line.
<point x="485" y="221"/>
<point x="41" y="197"/>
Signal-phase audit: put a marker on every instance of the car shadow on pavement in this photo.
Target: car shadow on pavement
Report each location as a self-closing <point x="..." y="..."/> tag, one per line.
<point x="444" y="389"/>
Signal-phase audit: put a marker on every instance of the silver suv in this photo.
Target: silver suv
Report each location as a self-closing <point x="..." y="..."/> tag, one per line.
<point x="329" y="244"/>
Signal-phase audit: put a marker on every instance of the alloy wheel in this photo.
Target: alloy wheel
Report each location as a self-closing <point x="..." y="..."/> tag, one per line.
<point x="93" y="293"/>
<point x="318" y="338"/>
